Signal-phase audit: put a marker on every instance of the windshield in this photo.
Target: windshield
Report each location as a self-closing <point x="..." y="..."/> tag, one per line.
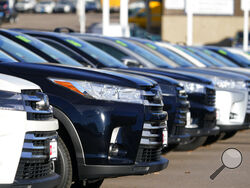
<point x="211" y="60"/>
<point x="52" y="52"/>
<point x="203" y="61"/>
<point x="94" y="52"/>
<point x="219" y="57"/>
<point x="233" y="57"/>
<point x="5" y="57"/>
<point x="142" y="52"/>
<point x="178" y="60"/>
<point x="18" y="52"/>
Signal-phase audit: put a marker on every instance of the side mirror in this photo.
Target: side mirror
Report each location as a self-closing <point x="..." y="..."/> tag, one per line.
<point x="130" y="62"/>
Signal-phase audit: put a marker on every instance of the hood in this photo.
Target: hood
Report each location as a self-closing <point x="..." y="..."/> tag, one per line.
<point x="160" y="79"/>
<point x="67" y="72"/>
<point x="210" y="72"/>
<point x="240" y="70"/>
<point x="15" y="84"/>
<point x="175" y="74"/>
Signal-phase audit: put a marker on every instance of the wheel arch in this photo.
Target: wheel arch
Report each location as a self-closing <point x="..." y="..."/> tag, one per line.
<point x="71" y="138"/>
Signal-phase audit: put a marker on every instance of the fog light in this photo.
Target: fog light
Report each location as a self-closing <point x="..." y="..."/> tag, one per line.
<point x="233" y="115"/>
<point x="116" y="149"/>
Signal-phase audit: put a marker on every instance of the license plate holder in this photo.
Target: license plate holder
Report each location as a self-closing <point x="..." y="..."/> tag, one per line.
<point x="188" y="118"/>
<point x="165" y="137"/>
<point x="53" y="149"/>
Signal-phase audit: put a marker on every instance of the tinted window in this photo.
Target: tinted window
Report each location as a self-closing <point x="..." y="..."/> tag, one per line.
<point x="52" y="52"/>
<point x="62" y="49"/>
<point x="219" y="57"/>
<point x="203" y="61"/>
<point x="19" y="52"/>
<point x="5" y="57"/>
<point x="178" y="60"/>
<point x="211" y="60"/>
<point x="110" y="50"/>
<point x="141" y="52"/>
<point x="94" y="52"/>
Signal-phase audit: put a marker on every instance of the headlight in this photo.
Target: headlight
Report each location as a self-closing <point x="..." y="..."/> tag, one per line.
<point x="102" y="91"/>
<point x="229" y="84"/>
<point x="191" y="87"/>
<point x="11" y="101"/>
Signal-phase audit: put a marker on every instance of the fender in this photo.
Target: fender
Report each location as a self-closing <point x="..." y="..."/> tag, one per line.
<point x="69" y="126"/>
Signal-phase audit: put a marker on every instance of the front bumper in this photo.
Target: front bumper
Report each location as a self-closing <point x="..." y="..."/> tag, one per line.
<point x="196" y="131"/>
<point x="48" y="182"/>
<point x="175" y="139"/>
<point x="228" y="128"/>
<point x="111" y="171"/>
<point x="231" y="107"/>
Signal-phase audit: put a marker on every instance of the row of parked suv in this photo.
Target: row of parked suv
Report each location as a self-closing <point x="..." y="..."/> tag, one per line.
<point x="115" y="104"/>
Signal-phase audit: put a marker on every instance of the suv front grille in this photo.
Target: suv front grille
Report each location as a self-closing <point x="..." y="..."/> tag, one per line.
<point x="34" y="162"/>
<point x="151" y="141"/>
<point x="210" y="97"/>
<point x="182" y="110"/>
<point x="31" y="98"/>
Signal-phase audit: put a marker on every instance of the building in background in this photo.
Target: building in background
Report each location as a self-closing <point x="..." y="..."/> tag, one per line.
<point x="214" y="22"/>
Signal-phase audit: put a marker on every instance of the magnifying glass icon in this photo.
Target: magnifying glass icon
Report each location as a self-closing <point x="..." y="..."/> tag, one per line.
<point x="231" y="158"/>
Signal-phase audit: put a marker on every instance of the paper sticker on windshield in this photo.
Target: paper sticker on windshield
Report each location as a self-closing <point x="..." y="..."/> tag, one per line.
<point x="121" y="43"/>
<point x="23" y="38"/>
<point x="151" y="46"/>
<point x="74" y="43"/>
<point x="222" y="52"/>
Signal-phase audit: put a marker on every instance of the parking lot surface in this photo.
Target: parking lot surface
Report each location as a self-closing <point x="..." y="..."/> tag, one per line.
<point x="193" y="169"/>
<point x="51" y="21"/>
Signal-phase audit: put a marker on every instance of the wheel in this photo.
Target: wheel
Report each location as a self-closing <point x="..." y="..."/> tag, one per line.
<point x="192" y="144"/>
<point x="88" y="184"/>
<point x="229" y="135"/>
<point x="63" y="165"/>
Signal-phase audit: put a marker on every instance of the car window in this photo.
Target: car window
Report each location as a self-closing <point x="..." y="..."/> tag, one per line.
<point x="110" y="50"/>
<point x="219" y="57"/>
<point x="203" y="61"/>
<point x="93" y="51"/>
<point x="6" y="58"/>
<point x="48" y="50"/>
<point x="153" y="59"/>
<point x="19" y="52"/>
<point x="62" y="48"/>
<point x="211" y="60"/>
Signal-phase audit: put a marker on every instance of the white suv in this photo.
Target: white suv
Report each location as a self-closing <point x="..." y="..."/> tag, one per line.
<point x="28" y="137"/>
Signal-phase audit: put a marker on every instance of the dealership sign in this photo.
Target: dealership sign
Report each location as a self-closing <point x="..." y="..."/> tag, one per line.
<point x="210" y="7"/>
<point x="245" y="5"/>
<point x="175" y="4"/>
<point x="203" y="7"/>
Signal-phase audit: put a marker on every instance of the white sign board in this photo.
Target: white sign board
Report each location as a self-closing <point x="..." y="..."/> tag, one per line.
<point x="211" y="7"/>
<point x="175" y="4"/>
<point x="245" y="5"/>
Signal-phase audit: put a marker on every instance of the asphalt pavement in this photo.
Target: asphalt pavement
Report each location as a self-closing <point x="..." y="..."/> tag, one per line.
<point x="193" y="169"/>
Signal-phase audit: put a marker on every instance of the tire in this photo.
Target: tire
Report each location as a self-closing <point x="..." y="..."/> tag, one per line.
<point x="229" y="135"/>
<point x="193" y="144"/>
<point x="88" y="184"/>
<point x="63" y="165"/>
